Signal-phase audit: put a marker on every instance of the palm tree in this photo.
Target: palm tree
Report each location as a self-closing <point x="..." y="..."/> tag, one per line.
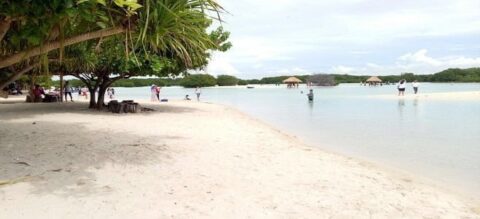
<point x="171" y="37"/>
<point x="68" y="22"/>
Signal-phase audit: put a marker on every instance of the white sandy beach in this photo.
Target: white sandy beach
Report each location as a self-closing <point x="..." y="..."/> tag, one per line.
<point x="191" y="160"/>
<point x="465" y="95"/>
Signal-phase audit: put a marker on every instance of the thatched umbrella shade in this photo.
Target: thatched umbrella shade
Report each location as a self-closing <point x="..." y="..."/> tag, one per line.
<point x="374" y="80"/>
<point x="292" y="81"/>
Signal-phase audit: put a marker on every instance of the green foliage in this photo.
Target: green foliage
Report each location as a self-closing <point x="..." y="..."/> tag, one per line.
<point x="242" y="82"/>
<point x="227" y="80"/>
<point x="349" y="78"/>
<point x="449" y="75"/>
<point x="253" y="81"/>
<point x="198" y="80"/>
<point x="36" y="22"/>
<point x="44" y="81"/>
<point x="457" y="75"/>
<point x="143" y="82"/>
<point x="220" y="37"/>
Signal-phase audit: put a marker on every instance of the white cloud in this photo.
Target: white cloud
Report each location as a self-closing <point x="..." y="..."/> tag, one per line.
<point x="220" y="65"/>
<point x="284" y="34"/>
<point x="421" y="58"/>
<point x="418" y="62"/>
<point x="342" y="69"/>
<point x="463" y="62"/>
<point x="288" y="71"/>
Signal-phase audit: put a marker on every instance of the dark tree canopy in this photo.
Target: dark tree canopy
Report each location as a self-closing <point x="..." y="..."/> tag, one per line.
<point x="198" y="80"/>
<point x="227" y="80"/>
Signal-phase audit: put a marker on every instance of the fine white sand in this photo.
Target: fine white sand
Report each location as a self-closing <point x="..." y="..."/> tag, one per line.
<point x="449" y="96"/>
<point x="190" y="160"/>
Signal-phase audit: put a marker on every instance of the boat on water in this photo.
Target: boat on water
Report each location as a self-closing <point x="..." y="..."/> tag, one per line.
<point x="250" y="87"/>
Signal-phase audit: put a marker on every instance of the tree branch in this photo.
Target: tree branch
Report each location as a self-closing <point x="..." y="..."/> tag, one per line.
<point x="49" y="46"/>
<point x="17" y="75"/>
<point x="4" y="27"/>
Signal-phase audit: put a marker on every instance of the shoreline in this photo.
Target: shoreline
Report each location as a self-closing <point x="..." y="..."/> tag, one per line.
<point x="455" y="96"/>
<point x="286" y="169"/>
<point x="395" y="172"/>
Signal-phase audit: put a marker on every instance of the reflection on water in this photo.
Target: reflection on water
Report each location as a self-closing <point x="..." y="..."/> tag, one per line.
<point x="437" y="139"/>
<point x="401" y="105"/>
<point x="310" y="107"/>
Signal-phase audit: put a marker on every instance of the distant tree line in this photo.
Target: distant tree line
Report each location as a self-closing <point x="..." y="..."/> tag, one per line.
<point x="449" y="75"/>
<point x="206" y="80"/>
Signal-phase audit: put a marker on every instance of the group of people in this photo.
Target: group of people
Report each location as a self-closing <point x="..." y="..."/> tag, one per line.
<point x="198" y="91"/>
<point x="39" y="93"/>
<point x="155" y="93"/>
<point x="402" y="84"/>
<point x="14" y="88"/>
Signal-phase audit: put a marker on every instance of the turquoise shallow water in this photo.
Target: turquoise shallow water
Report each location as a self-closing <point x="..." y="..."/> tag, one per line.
<point x="437" y="139"/>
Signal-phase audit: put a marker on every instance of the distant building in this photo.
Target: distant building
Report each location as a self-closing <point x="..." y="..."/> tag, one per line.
<point x="374" y="81"/>
<point x="292" y="82"/>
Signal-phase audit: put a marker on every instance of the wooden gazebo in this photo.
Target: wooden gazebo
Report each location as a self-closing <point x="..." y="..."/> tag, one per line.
<point x="292" y="82"/>
<point x="374" y="80"/>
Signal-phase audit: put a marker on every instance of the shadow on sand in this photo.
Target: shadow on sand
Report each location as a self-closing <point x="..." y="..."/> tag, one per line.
<point x="66" y="166"/>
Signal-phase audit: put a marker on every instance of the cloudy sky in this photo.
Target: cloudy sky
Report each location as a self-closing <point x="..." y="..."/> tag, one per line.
<point x="281" y="37"/>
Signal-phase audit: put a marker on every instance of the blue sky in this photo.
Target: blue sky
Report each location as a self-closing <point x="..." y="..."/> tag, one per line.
<point x="283" y="37"/>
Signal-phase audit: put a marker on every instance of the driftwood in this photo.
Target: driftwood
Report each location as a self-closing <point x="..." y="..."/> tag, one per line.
<point x="126" y="106"/>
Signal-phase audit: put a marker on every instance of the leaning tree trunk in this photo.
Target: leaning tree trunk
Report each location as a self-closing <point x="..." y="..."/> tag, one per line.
<point x="93" y="100"/>
<point x="15" y="76"/>
<point x="101" y="97"/>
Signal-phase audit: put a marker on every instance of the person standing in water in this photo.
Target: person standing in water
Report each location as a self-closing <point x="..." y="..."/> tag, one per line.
<point x="401" y="87"/>
<point x="198" y="92"/>
<point x="415" y="85"/>
<point x="310" y="95"/>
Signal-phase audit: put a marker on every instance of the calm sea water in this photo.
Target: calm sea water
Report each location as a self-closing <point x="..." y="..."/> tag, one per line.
<point x="434" y="138"/>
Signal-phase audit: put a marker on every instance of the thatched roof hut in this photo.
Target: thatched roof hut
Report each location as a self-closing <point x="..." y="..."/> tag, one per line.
<point x="374" y="80"/>
<point x="292" y="82"/>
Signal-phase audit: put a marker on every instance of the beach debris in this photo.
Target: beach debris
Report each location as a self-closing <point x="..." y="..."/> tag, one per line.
<point x="146" y="109"/>
<point x="33" y="123"/>
<point x="22" y="162"/>
<point x="13" y="181"/>
<point x="81" y="182"/>
<point x="126" y="106"/>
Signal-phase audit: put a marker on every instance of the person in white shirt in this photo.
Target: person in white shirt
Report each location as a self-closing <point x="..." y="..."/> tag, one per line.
<point x="401" y="87"/>
<point x="153" y="93"/>
<point x="415" y="85"/>
<point x="198" y="92"/>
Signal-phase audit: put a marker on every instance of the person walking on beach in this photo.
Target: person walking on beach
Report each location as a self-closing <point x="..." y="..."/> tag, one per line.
<point x="198" y="92"/>
<point x="153" y="93"/>
<point x="110" y="93"/>
<point x="415" y="85"/>
<point x="401" y="87"/>
<point x="310" y="95"/>
<point x="84" y="91"/>
<point x="68" y="91"/>
<point x="157" y="92"/>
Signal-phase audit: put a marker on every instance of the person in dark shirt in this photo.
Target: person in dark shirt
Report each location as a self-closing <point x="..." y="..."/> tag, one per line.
<point x="310" y="95"/>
